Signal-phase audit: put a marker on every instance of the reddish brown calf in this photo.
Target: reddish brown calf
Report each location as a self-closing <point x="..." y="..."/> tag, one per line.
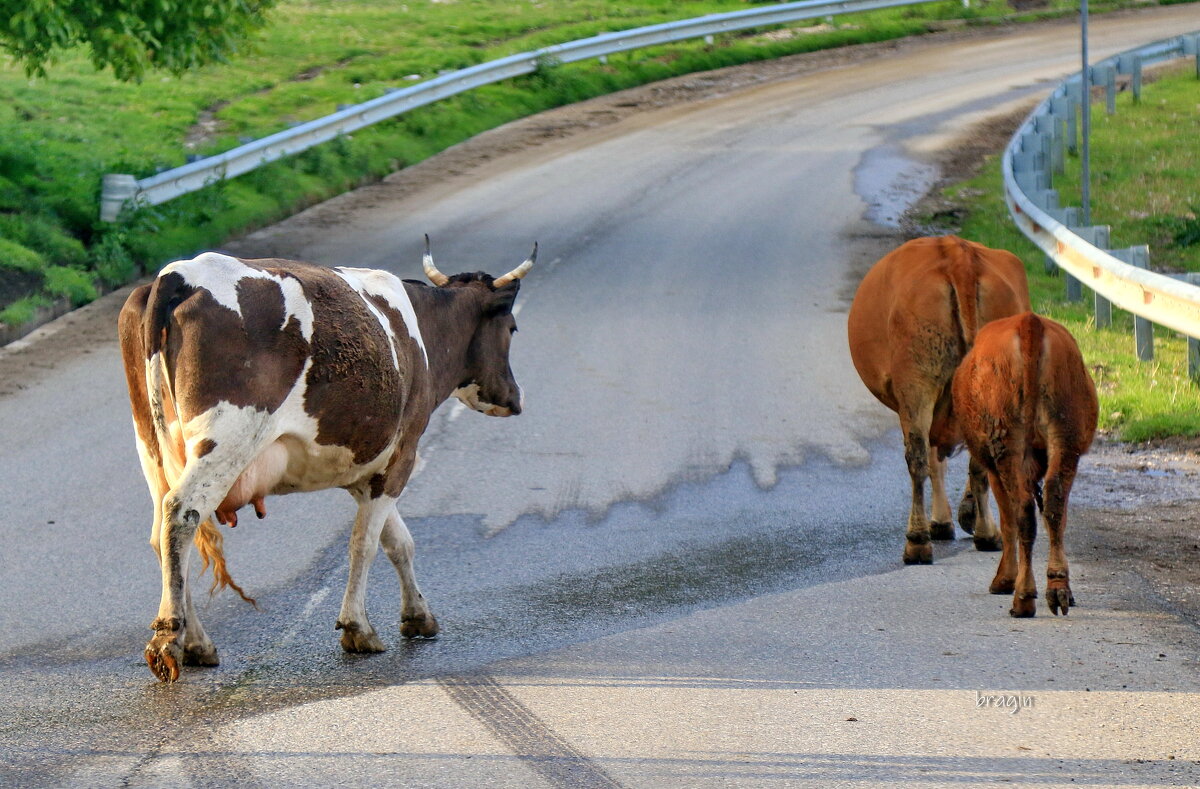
<point x="1027" y="410"/>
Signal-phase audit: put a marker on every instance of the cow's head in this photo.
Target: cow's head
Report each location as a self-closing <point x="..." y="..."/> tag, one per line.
<point x="488" y="385"/>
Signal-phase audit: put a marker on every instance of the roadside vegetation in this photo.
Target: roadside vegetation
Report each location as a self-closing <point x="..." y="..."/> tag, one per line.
<point x="1145" y="186"/>
<point x="59" y="134"/>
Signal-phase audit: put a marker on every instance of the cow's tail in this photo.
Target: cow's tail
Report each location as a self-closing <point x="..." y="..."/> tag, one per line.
<point x="167" y="293"/>
<point x="209" y="542"/>
<point x="964" y="281"/>
<point x="1031" y="333"/>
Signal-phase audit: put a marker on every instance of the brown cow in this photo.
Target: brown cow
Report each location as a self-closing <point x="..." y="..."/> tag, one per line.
<point x="1027" y="410"/>
<point x="251" y="378"/>
<point x="914" y="316"/>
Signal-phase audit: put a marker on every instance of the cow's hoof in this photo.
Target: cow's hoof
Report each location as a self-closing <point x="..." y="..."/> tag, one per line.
<point x="1060" y="600"/>
<point x="941" y="530"/>
<point x="918" y="553"/>
<point x="1023" y="607"/>
<point x="357" y="640"/>
<point x="989" y="544"/>
<point x="164" y="656"/>
<point x="201" y="655"/>
<point x="1002" y="586"/>
<point x="966" y="515"/>
<point x="424" y="626"/>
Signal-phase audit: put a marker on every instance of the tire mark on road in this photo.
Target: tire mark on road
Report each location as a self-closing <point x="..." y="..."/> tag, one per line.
<point x="533" y="742"/>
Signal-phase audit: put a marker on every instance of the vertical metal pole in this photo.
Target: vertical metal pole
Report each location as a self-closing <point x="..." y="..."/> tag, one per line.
<point x="1086" y="108"/>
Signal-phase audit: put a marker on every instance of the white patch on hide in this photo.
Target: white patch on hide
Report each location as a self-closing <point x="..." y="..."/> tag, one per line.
<point x="220" y="274"/>
<point x="390" y="288"/>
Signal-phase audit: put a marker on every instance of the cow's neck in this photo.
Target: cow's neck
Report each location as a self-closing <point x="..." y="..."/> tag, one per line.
<point x="447" y="318"/>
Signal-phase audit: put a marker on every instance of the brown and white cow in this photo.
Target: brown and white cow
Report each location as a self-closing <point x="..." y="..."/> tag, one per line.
<point x="913" y="318"/>
<point x="256" y="377"/>
<point x="1027" y="410"/>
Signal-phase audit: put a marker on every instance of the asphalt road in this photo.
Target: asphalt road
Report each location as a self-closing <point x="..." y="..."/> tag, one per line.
<point x="697" y="464"/>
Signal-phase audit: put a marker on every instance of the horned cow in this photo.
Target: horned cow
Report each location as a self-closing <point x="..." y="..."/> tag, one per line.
<point x="913" y="318"/>
<point x="1027" y="410"/>
<point x="250" y="378"/>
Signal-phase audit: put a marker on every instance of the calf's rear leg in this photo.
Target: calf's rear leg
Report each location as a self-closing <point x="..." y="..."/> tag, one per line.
<point x="1059" y="479"/>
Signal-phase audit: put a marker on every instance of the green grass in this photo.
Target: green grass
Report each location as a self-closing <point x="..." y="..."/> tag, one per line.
<point x="1142" y="159"/>
<point x="60" y="134"/>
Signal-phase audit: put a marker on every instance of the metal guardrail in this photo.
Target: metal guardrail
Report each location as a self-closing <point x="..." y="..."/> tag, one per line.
<point x="119" y="190"/>
<point x="1036" y="152"/>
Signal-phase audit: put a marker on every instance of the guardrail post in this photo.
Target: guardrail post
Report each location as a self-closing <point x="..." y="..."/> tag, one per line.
<point x="1132" y="65"/>
<point x="1097" y="236"/>
<point x="115" y="192"/>
<point x="1109" y="75"/>
<point x="1049" y="128"/>
<point x="1068" y="216"/>
<point x="1191" y="46"/>
<point x="1143" y="329"/>
<point x="1064" y="109"/>
<point x="1193" y="359"/>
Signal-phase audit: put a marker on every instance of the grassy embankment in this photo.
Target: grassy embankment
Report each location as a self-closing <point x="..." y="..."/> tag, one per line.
<point x="1145" y="185"/>
<point x="59" y="135"/>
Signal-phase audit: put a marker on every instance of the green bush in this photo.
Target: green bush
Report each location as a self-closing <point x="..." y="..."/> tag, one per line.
<point x="16" y="256"/>
<point x="70" y="283"/>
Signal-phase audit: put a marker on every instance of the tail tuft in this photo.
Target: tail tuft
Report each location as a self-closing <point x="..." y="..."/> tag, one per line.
<point x="209" y="541"/>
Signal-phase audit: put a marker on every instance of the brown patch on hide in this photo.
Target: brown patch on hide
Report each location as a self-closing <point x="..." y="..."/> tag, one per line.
<point x="353" y="389"/>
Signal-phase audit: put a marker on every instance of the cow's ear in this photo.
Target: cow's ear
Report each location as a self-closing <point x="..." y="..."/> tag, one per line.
<point x="502" y="299"/>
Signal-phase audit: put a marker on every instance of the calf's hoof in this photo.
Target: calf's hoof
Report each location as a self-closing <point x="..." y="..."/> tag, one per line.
<point x="1023" y="606"/>
<point x="918" y="552"/>
<point x="989" y="544"/>
<point x="200" y="655"/>
<point x="1060" y="600"/>
<point x="357" y="640"/>
<point x="424" y="626"/>
<point x="1002" y="586"/>
<point x="966" y="515"/>
<point x="164" y="656"/>
<point x="941" y="530"/>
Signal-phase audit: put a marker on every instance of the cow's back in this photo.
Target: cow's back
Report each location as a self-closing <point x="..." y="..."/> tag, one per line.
<point x="918" y="309"/>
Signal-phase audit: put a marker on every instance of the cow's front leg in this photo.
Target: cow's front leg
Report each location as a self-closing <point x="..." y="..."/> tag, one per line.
<point x="164" y="654"/>
<point x="974" y="514"/>
<point x="415" y="616"/>
<point x="941" y="527"/>
<point x="357" y="633"/>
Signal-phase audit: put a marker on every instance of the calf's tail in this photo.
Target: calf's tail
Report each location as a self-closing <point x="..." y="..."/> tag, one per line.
<point x="1032" y="334"/>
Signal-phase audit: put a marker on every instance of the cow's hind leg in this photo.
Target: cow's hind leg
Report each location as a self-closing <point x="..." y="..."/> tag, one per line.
<point x="357" y="633"/>
<point x="974" y="514"/>
<point x="915" y="425"/>
<point x="198" y="648"/>
<point x="204" y="482"/>
<point x="1059" y="479"/>
<point x="415" y="616"/>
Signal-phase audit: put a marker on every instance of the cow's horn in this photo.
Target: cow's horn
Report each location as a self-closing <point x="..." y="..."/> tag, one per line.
<point x="519" y="271"/>
<point x="435" y="276"/>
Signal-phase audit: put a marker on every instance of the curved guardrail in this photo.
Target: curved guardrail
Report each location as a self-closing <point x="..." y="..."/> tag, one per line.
<point x="1036" y="152"/>
<point x="119" y="190"/>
